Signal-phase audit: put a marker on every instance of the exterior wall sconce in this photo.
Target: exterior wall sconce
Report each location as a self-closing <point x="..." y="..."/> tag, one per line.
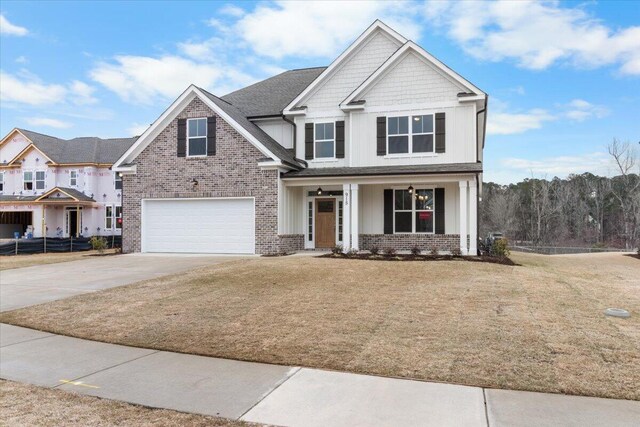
<point x="319" y="191"/>
<point x="194" y="182"/>
<point x="410" y="189"/>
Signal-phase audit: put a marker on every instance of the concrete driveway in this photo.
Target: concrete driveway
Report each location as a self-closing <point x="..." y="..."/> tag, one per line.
<point x="22" y="287"/>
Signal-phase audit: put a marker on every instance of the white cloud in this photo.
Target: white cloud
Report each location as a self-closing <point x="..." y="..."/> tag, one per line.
<point x="22" y="59"/>
<point x="201" y="51"/>
<point x="26" y="88"/>
<point x="503" y="123"/>
<point x="580" y="110"/>
<point x="137" y="129"/>
<point x="232" y="10"/>
<point x="81" y="93"/>
<point x="317" y="29"/>
<point x="536" y="34"/>
<point x="10" y="29"/>
<point x="29" y="90"/>
<point x="47" y="122"/>
<point x="142" y="79"/>
<point x="597" y="163"/>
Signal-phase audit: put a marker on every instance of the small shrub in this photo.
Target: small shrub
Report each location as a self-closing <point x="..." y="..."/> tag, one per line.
<point x="415" y="251"/>
<point x="455" y="251"/>
<point x="352" y="252"/>
<point x="375" y="250"/>
<point x="336" y="250"/>
<point x="389" y="252"/>
<point x="500" y="248"/>
<point x="99" y="244"/>
<point x="434" y="250"/>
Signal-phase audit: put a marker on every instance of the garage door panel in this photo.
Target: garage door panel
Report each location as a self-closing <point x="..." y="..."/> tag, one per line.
<point x="199" y="226"/>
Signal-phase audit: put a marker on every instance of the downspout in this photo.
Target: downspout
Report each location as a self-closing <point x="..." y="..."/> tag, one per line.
<point x="295" y="133"/>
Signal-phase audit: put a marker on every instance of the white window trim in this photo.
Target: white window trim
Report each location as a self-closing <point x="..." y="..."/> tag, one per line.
<point x="33" y="180"/>
<point x="413" y="210"/>
<point x="106" y="210"/>
<point x="311" y="216"/>
<point x="2" y="183"/>
<point x="115" y="180"/>
<point x="76" y="178"/>
<point x="324" y="159"/>
<point x="409" y="135"/>
<point x="206" y="138"/>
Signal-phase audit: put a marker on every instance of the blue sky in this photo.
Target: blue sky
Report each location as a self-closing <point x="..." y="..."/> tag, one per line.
<point x="564" y="78"/>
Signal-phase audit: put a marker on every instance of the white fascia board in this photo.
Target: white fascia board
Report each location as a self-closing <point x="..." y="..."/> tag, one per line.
<point x="270" y="165"/>
<point x="170" y="113"/>
<point x="377" y="24"/>
<point x="125" y="170"/>
<point x="463" y="99"/>
<point x="398" y="56"/>
<point x="156" y="127"/>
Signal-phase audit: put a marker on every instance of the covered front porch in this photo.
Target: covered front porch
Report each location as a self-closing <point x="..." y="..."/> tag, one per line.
<point x="430" y="211"/>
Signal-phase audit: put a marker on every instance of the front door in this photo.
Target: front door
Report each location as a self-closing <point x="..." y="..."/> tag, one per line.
<point x="73" y="223"/>
<point x="325" y="223"/>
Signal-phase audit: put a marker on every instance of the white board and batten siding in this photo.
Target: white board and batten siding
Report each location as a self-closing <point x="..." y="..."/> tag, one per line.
<point x="208" y="225"/>
<point x="277" y="129"/>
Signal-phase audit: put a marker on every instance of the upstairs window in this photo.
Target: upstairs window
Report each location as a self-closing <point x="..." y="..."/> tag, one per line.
<point x="118" y="181"/>
<point x="324" y="141"/>
<point x="73" y="178"/>
<point x="1" y="182"/>
<point x="407" y="137"/>
<point x="196" y="137"/>
<point x="40" y="181"/>
<point x="27" y="180"/>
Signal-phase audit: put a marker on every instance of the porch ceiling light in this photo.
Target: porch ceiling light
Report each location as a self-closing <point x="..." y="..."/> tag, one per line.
<point x="410" y="189"/>
<point x="319" y="191"/>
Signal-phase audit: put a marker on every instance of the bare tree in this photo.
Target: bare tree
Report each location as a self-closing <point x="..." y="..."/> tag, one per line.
<point x="625" y="188"/>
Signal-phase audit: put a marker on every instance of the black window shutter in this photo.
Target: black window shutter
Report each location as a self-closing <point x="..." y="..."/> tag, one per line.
<point x="439" y="210"/>
<point x="340" y="139"/>
<point x="182" y="137"/>
<point x="440" y="133"/>
<point x="211" y="136"/>
<point x="308" y="141"/>
<point x="381" y="133"/>
<point x="388" y="211"/>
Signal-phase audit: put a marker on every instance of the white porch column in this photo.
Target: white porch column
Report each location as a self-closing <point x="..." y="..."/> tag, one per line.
<point x="355" y="238"/>
<point x="463" y="216"/>
<point x="346" y="217"/>
<point x="473" y="217"/>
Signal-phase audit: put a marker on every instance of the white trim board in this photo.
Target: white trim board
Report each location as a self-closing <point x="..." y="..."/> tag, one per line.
<point x="170" y="114"/>
<point x="335" y="65"/>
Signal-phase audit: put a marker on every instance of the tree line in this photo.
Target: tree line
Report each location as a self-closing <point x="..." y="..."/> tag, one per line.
<point x="580" y="210"/>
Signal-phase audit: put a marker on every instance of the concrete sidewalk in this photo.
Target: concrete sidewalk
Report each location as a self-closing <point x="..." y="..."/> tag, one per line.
<point x="283" y="395"/>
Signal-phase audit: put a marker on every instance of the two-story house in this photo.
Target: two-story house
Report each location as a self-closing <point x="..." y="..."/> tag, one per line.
<point x="381" y="148"/>
<point x="60" y="188"/>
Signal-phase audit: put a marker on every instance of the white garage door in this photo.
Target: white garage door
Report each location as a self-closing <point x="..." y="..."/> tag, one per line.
<point x="198" y="225"/>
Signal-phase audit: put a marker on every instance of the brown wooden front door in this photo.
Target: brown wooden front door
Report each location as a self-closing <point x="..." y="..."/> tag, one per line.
<point x="325" y="223"/>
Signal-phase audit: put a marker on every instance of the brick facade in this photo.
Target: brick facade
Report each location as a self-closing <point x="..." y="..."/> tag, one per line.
<point x="291" y="242"/>
<point x="404" y="242"/>
<point x="232" y="172"/>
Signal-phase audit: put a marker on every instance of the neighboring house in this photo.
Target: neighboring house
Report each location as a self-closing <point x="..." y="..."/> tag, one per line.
<point x="59" y="187"/>
<point x="382" y="148"/>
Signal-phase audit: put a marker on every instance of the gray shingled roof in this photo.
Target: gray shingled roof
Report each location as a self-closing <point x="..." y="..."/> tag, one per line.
<point x="269" y="97"/>
<point x="74" y="193"/>
<point x="272" y="145"/>
<point x="387" y="170"/>
<point x="80" y="150"/>
<point x="17" y="198"/>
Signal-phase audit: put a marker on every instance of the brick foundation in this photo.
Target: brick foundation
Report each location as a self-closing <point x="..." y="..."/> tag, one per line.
<point x="404" y="242"/>
<point x="232" y="172"/>
<point x="291" y="242"/>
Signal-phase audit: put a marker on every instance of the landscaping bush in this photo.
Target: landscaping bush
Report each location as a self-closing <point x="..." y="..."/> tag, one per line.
<point x="336" y="250"/>
<point x="500" y="248"/>
<point x="455" y="251"/>
<point x="415" y="251"/>
<point x="374" y="250"/>
<point x="434" y="250"/>
<point x="352" y="252"/>
<point x="389" y="252"/>
<point x="99" y="244"/>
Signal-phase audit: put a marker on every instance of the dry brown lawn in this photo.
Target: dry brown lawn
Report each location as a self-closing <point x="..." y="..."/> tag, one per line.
<point x="539" y="326"/>
<point x="18" y="261"/>
<point x="27" y="405"/>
